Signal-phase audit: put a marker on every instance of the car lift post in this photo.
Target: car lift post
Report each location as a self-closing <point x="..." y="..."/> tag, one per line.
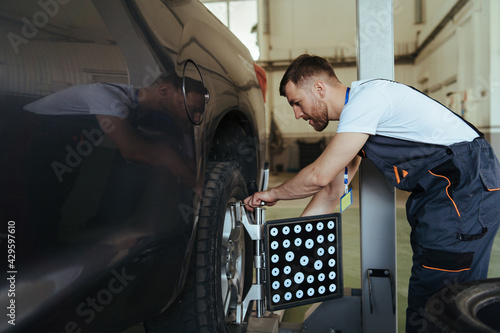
<point x="375" y="38"/>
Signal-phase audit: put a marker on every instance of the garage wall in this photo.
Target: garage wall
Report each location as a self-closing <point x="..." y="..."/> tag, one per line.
<point x="460" y="68"/>
<point x="318" y="26"/>
<point x="457" y="68"/>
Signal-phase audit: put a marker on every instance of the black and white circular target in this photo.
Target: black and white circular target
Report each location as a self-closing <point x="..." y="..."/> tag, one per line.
<point x="303" y="260"/>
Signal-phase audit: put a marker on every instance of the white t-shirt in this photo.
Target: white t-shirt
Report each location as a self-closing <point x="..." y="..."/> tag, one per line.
<point x="95" y="98"/>
<point x="388" y="108"/>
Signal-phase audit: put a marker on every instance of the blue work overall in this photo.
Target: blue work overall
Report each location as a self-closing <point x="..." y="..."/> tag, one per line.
<point x="453" y="211"/>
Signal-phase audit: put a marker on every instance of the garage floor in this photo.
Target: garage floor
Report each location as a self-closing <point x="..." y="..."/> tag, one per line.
<point x="351" y="248"/>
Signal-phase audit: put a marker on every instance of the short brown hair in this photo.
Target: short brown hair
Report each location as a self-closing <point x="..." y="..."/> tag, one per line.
<point x="304" y="67"/>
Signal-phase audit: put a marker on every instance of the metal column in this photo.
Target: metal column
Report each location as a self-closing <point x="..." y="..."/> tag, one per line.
<point x="375" y="50"/>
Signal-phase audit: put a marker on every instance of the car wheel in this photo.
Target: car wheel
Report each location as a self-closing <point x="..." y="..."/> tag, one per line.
<point x="467" y="307"/>
<point x="221" y="267"/>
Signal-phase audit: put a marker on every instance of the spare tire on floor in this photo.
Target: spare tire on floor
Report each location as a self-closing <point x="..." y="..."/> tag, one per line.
<point x="472" y="306"/>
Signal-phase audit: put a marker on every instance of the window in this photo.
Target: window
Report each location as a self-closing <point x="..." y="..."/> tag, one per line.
<point x="419" y="11"/>
<point x="240" y="16"/>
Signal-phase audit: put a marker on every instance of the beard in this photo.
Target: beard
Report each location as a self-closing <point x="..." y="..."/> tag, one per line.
<point x="320" y="118"/>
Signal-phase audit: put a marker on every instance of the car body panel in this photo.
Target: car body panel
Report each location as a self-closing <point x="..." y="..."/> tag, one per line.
<point x="103" y="242"/>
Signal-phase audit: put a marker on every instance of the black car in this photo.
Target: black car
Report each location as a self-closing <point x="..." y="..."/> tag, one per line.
<point x="127" y="128"/>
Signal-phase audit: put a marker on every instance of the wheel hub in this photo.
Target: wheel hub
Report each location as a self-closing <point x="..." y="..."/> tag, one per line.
<point x="232" y="265"/>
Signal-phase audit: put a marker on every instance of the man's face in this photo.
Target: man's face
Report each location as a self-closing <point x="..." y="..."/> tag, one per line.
<point x="307" y="106"/>
<point x="195" y="105"/>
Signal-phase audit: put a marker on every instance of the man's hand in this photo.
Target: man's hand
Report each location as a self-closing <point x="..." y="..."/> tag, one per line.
<point x="260" y="199"/>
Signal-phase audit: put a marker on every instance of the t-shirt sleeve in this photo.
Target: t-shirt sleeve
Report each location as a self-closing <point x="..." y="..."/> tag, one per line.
<point x="105" y="102"/>
<point x="364" y="111"/>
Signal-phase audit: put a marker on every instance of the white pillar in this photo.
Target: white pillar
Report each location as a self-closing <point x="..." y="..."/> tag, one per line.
<point x="375" y="39"/>
<point x="494" y="80"/>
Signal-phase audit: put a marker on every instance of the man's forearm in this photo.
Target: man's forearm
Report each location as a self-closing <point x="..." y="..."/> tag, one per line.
<point x="320" y="204"/>
<point x="303" y="185"/>
<point x="325" y="201"/>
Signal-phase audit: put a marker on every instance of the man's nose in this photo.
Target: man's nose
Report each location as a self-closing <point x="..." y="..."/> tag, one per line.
<point x="298" y="112"/>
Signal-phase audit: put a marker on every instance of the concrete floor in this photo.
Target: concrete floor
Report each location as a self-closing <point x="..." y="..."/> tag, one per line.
<point x="351" y="247"/>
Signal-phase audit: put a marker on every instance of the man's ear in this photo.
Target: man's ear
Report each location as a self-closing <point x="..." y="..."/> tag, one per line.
<point x="319" y="88"/>
<point x="164" y="89"/>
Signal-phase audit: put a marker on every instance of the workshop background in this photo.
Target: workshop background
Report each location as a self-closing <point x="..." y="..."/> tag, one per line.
<point x="449" y="49"/>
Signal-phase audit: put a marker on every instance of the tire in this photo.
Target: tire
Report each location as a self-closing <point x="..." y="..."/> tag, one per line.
<point x="467" y="307"/>
<point x="221" y="267"/>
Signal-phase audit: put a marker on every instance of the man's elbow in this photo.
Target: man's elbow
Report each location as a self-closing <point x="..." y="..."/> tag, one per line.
<point x="319" y="180"/>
